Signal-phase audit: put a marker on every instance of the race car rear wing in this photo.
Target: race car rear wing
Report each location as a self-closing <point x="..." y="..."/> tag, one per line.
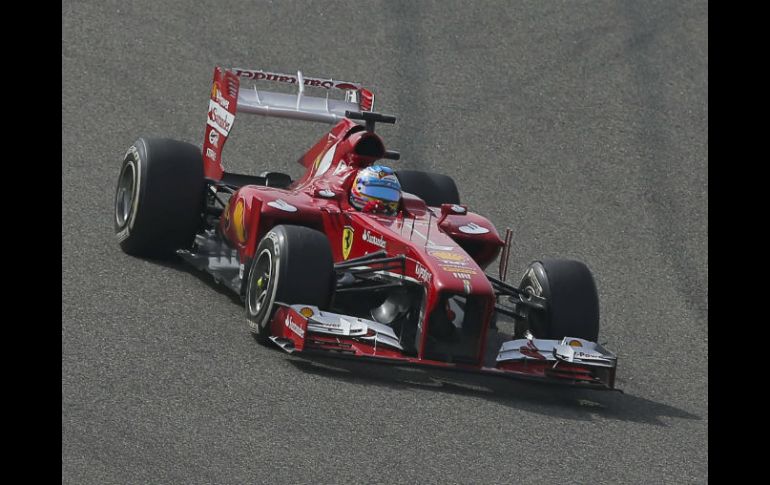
<point x="300" y="106"/>
<point x="227" y="98"/>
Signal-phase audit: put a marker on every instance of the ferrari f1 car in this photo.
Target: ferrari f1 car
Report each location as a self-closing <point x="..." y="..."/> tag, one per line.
<point x="318" y="276"/>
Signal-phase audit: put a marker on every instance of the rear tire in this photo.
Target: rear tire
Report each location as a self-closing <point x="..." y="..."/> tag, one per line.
<point x="159" y="197"/>
<point x="434" y="188"/>
<point x="572" y="302"/>
<point x="292" y="265"/>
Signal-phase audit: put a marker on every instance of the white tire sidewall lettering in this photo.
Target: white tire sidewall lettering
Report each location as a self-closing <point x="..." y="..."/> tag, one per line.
<point x="274" y="281"/>
<point x="132" y="158"/>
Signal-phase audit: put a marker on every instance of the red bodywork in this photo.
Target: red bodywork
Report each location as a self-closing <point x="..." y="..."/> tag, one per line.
<point x="439" y="255"/>
<point x="423" y="234"/>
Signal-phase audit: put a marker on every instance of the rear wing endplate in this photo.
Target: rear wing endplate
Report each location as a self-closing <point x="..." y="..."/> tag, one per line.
<point x="228" y="98"/>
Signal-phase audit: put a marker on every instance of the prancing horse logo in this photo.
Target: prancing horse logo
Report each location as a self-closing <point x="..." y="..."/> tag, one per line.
<point x="347" y="241"/>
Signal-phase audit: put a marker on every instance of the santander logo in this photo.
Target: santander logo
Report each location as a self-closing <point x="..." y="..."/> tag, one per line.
<point x="373" y="238"/>
<point x="219" y="120"/>
<point x="294" y="327"/>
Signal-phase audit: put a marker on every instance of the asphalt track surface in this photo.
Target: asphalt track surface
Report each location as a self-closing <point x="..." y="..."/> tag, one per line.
<point x="581" y="125"/>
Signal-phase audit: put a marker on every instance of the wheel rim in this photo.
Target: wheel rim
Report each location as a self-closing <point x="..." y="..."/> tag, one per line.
<point x="261" y="277"/>
<point x="125" y="194"/>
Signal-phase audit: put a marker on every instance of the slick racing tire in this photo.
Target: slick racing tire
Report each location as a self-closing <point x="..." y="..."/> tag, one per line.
<point x="434" y="188"/>
<point x="572" y="302"/>
<point x="292" y="265"/>
<point x="159" y="197"/>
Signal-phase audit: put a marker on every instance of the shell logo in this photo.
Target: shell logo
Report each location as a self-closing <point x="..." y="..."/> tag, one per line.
<point x="306" y="312"/>
<point x="238" y="221"/>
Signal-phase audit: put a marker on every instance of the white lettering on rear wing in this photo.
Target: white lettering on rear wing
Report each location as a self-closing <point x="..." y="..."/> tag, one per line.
<point x="257" y="75"/>
<point x="300" y="106"/>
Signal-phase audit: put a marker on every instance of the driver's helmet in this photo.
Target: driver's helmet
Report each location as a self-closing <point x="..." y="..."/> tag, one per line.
<point x="376" y="189"/>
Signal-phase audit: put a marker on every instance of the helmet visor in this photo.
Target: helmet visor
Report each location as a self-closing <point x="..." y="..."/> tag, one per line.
<point x="383" y="193"/>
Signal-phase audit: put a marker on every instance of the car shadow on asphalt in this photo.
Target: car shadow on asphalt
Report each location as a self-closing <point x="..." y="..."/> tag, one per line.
<point x="536" y="397"/>
<point x="541" y="398"/>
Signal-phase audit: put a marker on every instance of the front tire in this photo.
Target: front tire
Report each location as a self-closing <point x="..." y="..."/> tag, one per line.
<point x="572" y="302"/>
<point x="292" y="265"/>
<point x="159" y="197"/>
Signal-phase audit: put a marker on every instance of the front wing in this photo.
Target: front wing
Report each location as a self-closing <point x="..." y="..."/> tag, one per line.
<point x="571" y="361"/>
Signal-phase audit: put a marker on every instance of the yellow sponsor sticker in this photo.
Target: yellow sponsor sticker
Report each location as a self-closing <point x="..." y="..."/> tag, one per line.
<point x="306" y="312"/>
<point x="238" y="221"/>
<point x="459" y="269"/>
<point x="447" y="256"/>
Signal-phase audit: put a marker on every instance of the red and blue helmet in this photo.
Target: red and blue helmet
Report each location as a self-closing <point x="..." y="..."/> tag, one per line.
<point x="376" y="185"/>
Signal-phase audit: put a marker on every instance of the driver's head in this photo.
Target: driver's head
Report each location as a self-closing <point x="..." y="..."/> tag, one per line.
<point x="376" y="189"/>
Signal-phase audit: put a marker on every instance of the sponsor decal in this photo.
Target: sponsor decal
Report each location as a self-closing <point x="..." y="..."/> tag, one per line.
<point x="461" y="276"/>
<point x="459" y="269"/>
<point x="448" y="256"/>
<point x="373" y="238"/>
<point x="214" y="137"/>
<point x="282" y="205"/>
<point x="220" y="118"/>
<point x="472" y="228"/>
<point x="211" y="153"/>
<point x="239" y="224"/>
<point x="458" y="209"/>
<point x="326" y="193"/>
<point x="216" y="94"/>
<point x="585" y="355"/>
<point x="422" y="273"/>
<point x="289" y="79"/>
<point x="306" y="312"/>
<point x="332" y="325"/>
<point x="293" y="326"/>
<point x="240" y="270"/>
<point x="347" y="241"/>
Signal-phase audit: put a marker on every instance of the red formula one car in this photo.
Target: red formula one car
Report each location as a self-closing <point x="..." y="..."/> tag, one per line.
<point x="319" y="275"/>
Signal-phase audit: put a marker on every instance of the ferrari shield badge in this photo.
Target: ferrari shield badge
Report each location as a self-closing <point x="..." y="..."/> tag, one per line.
<point x="347" y="241"/>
